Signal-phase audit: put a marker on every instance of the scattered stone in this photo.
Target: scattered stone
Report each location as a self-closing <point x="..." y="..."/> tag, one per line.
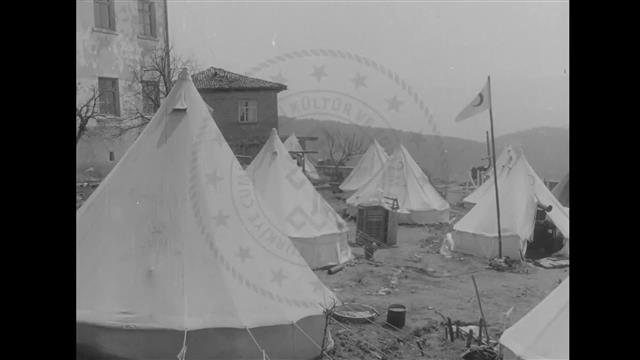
<point x="481" y="353"/>
<point x="501" y="264"/>
<point x="552" y="263"/>
<point x="384" y="291"/>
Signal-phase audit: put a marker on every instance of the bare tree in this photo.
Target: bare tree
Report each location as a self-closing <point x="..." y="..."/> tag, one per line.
<point x="342" y="147"/>
<point x="151" y="81"/>
<point x="86" y="111"/>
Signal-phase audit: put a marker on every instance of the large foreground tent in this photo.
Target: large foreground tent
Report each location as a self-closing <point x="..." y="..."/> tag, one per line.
<point x="504" y="161"/>
<point x="401" y="179"/>
<point x="543" y="333"/>
<point x="175" y="255"/>
<point x="293" y="144"/>
<point x="521" y="192"/>
<point x="317" y="231"/>
<point x="561" y="191"/>
<point x="370" y="163"/>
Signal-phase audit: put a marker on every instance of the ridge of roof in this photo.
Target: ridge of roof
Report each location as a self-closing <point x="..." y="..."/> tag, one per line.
<point x="221" y="79"/>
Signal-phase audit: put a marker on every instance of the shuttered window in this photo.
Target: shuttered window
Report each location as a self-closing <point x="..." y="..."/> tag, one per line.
<point x="109" y="96"/>
<point x="147" y="15"/>
<point x="104" y="13"/>
<point x="248" y="111"/>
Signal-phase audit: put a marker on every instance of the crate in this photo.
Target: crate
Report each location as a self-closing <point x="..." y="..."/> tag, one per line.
<point x="376" y="224"/>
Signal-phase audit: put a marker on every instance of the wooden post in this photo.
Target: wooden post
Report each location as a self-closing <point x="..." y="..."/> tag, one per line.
<point x="486" y="329"/>
<point x="495" y="169"/>
<point x="480" y="305"/>
<point x="450" y="327"/>
<point x="469" y="338"/>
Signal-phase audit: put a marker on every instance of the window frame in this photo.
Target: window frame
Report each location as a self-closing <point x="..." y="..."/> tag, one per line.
<point x="147" y="17"/>
<point x="145" y="97"/>
<point x="251" y="104"/>
<point x="109" y="7"/>
<point x="113" y="89"/>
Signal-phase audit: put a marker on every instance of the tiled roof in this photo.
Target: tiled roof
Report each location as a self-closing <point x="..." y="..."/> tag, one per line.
<point x="220" y="79"/>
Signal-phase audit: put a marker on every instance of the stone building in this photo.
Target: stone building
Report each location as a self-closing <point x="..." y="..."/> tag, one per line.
<point x="244" y="108"/>
<point x="112" y="38"/>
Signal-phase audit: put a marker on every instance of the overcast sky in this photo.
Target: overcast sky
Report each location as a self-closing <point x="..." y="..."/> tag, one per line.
<point x="444" y="50"/>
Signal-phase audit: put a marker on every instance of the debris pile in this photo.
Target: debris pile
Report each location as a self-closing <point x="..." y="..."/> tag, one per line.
<point x="502" y="264"/>
<point x="484" y="352"/>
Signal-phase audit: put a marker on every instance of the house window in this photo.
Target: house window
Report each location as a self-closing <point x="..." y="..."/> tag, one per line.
<point x="104" y="13"/>
<point x="109" y="97"/>
<point x="111" y="156"/>
<point x="150" y="97"/>
<point x="147" y="14"/>
<point x="248" y="111"/>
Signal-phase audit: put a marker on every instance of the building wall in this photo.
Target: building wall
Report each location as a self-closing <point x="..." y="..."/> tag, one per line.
<point x="226" y="112"/>
<point x="101" y="53"/>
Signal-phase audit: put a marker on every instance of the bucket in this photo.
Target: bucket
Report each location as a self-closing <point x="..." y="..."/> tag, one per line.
<point x="396" y="315"/>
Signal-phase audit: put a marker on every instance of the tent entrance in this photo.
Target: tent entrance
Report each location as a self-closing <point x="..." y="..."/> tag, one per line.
<point x="547" y="239"/>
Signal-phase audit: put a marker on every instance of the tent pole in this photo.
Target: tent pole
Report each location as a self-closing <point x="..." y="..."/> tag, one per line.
<point x="495" y="169"/>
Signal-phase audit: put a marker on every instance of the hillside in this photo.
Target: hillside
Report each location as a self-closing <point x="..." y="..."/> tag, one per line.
<point x="546" y="148"/>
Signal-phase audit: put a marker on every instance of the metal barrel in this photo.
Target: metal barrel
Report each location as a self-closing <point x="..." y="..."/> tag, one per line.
<point x="396" y="314"/>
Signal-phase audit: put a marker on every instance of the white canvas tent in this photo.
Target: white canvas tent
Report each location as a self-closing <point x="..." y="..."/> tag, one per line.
<point x="292" y="144"/>
<point x="369" y="164"/>
<point x="402" y="179"/>
<point x="173" y="252"/>
<point x="561" y="191"/>
<point x="317" y="231"/>
<point x="504" y="161"/>
<point x="543" y="333"/>
<point x="521" y="190"/>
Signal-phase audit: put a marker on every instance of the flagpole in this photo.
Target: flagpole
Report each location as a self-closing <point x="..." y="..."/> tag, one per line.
<point x="488" y="150"/>
<point x="495" y="168"/>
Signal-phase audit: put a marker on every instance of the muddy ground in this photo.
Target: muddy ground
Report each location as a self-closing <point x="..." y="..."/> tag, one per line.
<point x="428" y="284"/>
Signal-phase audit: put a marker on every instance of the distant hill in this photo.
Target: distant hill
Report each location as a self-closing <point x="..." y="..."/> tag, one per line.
<point x="546" y="148"/>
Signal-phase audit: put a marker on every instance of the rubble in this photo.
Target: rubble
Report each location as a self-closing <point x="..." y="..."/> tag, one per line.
<point x="484" y="352"/>
<point x="502" y="264"/>
<point x="384" y="291"/>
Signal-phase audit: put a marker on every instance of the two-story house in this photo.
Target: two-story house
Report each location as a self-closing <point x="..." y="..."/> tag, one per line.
<point x="244" y="108"/>
<point x="112" y="38"/>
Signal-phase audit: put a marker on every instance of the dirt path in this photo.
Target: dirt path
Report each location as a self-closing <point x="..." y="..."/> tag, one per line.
<point x="428" y="282"/>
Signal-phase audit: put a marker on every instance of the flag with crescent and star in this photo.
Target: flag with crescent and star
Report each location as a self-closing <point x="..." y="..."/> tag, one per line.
<point x="480" y="103"/>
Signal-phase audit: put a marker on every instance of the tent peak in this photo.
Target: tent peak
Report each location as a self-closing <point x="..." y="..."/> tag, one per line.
<point x="184" y="74"/>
